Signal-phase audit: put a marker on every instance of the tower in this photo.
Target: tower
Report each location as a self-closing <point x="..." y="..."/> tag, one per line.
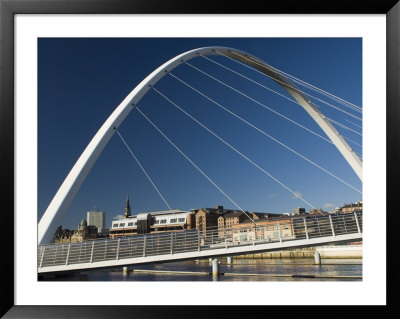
<point x="127" y="212"/>
<point x="97" y="218"/>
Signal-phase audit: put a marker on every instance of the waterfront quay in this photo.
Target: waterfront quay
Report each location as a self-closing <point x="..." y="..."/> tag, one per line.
<point x="307" y="231"/>
<point x="240" y="269"/>
<point x="337" y="263"/>
<point x="325" y="252"/>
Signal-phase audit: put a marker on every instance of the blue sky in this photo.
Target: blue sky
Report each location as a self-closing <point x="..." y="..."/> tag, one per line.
<point x="81" y="82"/>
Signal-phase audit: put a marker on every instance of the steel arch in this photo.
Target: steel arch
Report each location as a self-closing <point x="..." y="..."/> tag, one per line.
<point x="68" y="189"/>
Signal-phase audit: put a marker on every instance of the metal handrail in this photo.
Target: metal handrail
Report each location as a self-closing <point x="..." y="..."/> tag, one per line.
<point x="259" y="232"/>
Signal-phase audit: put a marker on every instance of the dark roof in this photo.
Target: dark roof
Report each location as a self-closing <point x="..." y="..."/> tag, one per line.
<point x="209" y="210"/>
<point x="234" y="213"/>
<point x="261" y="215"/>
<point x="279" y="217"/>
<point x="229" y="213"/>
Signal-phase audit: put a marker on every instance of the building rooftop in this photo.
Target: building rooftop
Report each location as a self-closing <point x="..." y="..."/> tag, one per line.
<point x="274" y="218"/>
<point x="164" y="212"/>
<point x="156" y="213"/>
<point x="356" y="204"/>
<point x="235" y="213"/>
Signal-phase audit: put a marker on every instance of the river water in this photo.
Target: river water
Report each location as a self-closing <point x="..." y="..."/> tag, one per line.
<point x="299" y="269"/>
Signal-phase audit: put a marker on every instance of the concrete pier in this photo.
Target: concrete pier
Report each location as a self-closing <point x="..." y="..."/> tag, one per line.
<point x="317" y="258"/>
<point x="215" y="267"/>
<point x="125" y="270"/>
<point x="229" y="260"/>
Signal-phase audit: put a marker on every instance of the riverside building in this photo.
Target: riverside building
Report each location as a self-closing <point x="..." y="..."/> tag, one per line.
<point x="83" y="233"/>
<point x="151" y="222"/>
<point x="97" y="218"/>
<point x="264" y="230"/>
<point x="202" y="219"/>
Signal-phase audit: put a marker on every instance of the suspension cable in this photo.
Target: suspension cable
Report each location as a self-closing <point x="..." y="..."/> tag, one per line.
<point x="341" y="101"/>
<point x="353" y="123"/>
<point x="344" y="126"/>
<point x="352" y="141"/>
<point x="223" y="83"/>
<point x="191" y="162"/>
<point x="294" y="88"/>
<point x="233" y="148"/>
<point x="319" y="90"/>
<point x="259" y="103"/>
<point x="249" y="79"/>
<point x="259" y="130"/>
<point x="144" y="171"/>
<point x="266" y="87"/>
<point x="263" y="105"/>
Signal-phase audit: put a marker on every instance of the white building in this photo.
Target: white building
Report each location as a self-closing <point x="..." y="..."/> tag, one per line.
<point x="97" y="218"/>
<point x="153" y="222"/>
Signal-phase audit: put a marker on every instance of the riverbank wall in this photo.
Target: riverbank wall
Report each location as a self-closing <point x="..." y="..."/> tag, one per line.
<point x="326" y="252"/>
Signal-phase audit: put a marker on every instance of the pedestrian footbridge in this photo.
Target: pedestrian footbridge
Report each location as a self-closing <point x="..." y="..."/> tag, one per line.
<point x="256" y="237"/>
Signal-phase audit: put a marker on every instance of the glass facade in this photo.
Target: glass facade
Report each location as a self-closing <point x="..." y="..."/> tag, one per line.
<point x="96" y="218"/>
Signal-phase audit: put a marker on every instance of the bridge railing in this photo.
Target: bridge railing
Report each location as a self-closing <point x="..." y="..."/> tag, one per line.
<point x="259" y="232"/>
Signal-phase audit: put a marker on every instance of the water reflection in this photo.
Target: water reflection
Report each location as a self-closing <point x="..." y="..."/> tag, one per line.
<point x="240" y="270"/>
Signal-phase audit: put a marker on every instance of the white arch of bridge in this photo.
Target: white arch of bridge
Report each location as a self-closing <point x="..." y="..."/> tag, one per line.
<point x="68" y="189"/>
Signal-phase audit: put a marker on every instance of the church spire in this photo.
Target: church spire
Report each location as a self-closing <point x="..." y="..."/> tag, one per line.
<point x="127" y="212"/>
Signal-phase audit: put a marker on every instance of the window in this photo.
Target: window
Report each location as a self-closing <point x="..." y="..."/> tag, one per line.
<point x="163" y="221"/>
<point x="115" y="225"/>
<point x="286" y="226"/>
<point x="173" y="220"/>
<point x="156" y="222"/>
<point x="200" y="225"/>
<point x="122" y="225"/>
<point x="130" y="224"/>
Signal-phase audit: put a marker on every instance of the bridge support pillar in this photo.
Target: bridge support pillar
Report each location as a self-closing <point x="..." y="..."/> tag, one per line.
<point x="125" y="270"/>
<point x="229" y="260"/>
<point x="215" y="267"/>
<point x="317" y="258"/>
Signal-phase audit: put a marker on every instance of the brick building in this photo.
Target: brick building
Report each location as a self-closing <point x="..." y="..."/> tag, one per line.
<point x="222" y="219"/>
<point x="264" y="229"/>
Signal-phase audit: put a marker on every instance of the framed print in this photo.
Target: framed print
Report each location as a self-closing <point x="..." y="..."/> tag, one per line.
<point x="66" y="45"/>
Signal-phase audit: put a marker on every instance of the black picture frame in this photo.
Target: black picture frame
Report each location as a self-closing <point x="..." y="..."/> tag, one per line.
<point x="8" y="10"/>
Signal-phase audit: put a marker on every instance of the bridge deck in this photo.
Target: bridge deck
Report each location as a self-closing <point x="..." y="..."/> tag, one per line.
<point x="151" y="248"/>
